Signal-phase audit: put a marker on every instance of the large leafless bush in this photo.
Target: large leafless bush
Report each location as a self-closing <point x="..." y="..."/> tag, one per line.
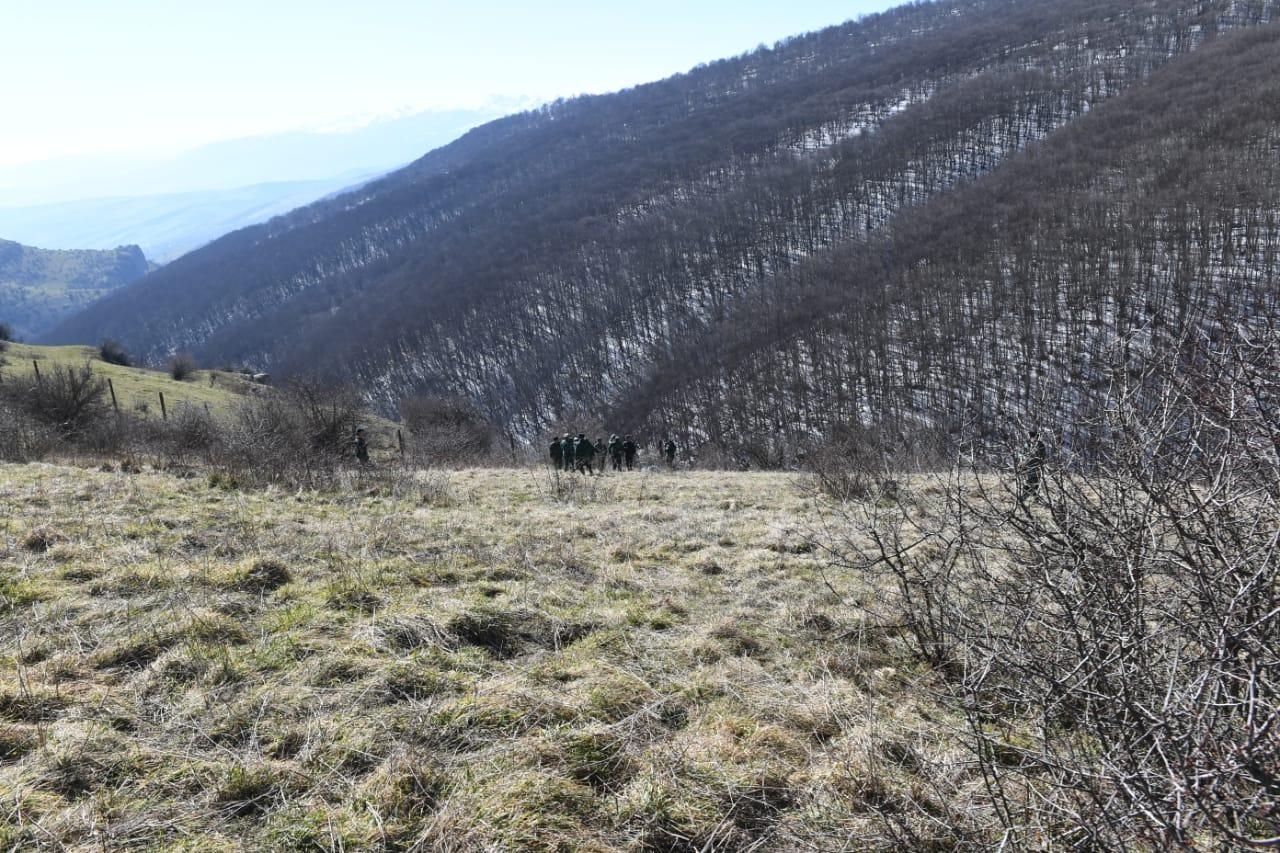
<point x="447" y="431"/>
<point x="182" y="366"/>
<point x="113" y="352"/>
<point x="301" y="437"/>
<point x="68" y="399"/>
<point x="328" y="414"/>
<point x="1113" y="640"/>
<point x="23" y="438"/>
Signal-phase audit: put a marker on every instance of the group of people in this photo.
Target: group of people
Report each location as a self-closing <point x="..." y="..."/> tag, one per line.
<point x="579" y="453"/>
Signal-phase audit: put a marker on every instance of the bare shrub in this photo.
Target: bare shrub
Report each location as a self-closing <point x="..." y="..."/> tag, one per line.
<point x="67" y="407"/>
<point x="23" y="438"/>
<point x="68" y="399"/>
<point x="182" y="366"/>
<point x="845" y="467"/>
<point x="113" y="352"/>
<point x="263" y="442"/>
<point x="1158" y="723"/>
<point x="855" y="462"/>
<point x="107" y="436"/>
<point x="447" y="430"/>
<point x="1111" y="638"/>
<point x="188" y="438"/>
<point x="299" y="438"/>
<point x="329" y="414"/>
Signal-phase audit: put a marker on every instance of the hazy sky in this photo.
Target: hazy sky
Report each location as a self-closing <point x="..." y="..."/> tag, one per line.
<point x="99" y="76"/>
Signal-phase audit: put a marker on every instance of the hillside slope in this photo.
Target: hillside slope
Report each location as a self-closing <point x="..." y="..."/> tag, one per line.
<point x="1006" y="299"/>
<point x="39" y="287"/>
<point x="545" y="263"/>
<point x="137" y="389"/>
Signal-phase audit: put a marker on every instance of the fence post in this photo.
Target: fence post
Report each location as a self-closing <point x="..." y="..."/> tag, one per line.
<point x="112" y="388"/>
<point x="39" y="378"/>
<point x="164" y="413"/>
<point x="400" y="442"/>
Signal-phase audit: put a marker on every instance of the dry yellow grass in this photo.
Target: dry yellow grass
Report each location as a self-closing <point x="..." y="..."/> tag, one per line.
<point x="478" y="660"/>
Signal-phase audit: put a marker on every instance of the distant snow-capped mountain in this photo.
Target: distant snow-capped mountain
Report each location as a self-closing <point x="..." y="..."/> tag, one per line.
<point x="165" y="226"/>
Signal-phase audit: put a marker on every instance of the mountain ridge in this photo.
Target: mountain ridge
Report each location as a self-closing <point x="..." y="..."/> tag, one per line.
<point x="164" y="226"/>
<point x="377" y="146"/>
<point x="40" y="286"/>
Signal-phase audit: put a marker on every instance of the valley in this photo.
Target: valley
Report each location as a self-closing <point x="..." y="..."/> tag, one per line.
<point x="959" y="322"/>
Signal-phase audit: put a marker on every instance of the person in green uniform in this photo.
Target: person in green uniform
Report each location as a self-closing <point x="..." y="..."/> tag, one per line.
<point x="1034" y="454"/>
<point x="361" y="447"/>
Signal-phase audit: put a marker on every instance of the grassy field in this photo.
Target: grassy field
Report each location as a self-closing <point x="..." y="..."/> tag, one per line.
<point x="137" y="390"/>
<point x="477" y="660"/>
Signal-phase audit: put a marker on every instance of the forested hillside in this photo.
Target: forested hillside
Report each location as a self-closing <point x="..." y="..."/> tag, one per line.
<point x="1013" y="296"/>
<point x="39" y="287"/>
<point x="778" y="242"/>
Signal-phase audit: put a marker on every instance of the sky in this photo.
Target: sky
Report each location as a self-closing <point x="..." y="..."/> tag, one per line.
<point x="99" y="77"/>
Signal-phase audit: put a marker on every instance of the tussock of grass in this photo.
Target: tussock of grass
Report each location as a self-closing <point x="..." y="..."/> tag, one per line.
<point x="251" y="789"/>
<point x="28" y="707"/>
<point x="598" y="756"/>
<point x="405" y="789"/>
<point x="480" y="660"/>
<point x="523" y="810"/>
<point x="39" y="540"/>
<point x="78" y="763"/>
<point x="16" y="741"/>
<point x="407" y="633"/>
<point x="18" y="592"/>
<point x="260" y="575"/>
<point x="418" y="679"/>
